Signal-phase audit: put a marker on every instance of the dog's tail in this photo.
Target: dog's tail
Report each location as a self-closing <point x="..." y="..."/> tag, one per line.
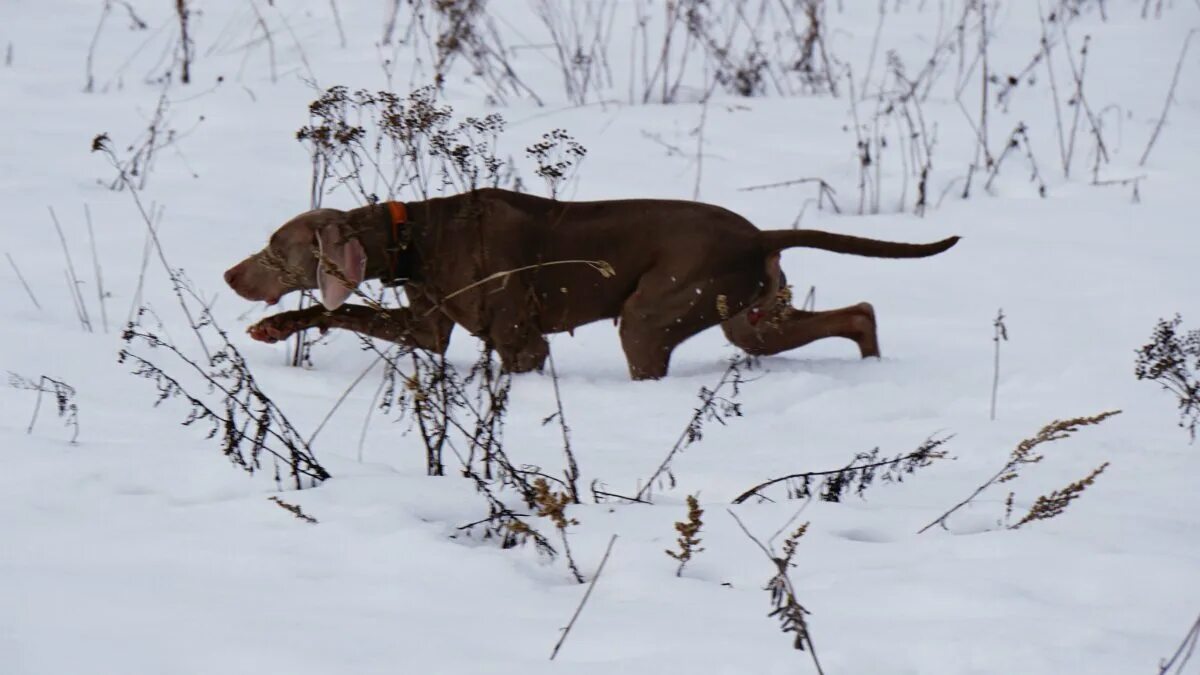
<point x="776" y="240"/>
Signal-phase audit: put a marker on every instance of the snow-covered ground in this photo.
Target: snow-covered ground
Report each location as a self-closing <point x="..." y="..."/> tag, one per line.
<point x="140" y="550"/>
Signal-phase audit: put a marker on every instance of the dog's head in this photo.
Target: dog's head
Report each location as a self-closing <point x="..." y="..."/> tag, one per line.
<point x="314" y="250"/>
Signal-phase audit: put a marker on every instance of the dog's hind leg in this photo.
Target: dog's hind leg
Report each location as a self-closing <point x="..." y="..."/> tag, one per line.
<point x="666" y="311"/>
<point x="774" y="329"/>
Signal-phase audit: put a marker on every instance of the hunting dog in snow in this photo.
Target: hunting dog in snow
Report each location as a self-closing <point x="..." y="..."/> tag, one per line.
<point x="512" y="268"/>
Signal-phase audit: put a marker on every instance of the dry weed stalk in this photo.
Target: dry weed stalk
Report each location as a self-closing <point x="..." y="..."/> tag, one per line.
<point x="1183" y="653"/>
<point x="1053" y="504"/>
<point x="133" y="171"/>
<point x="1162" y="119"/>
<point x="100" y="293"/>
<point x="587" y="594"/>
<point x="999" y="333"/>
<point x="136" y="23"/>
<point x="441" y="32"/>
<point x="856" y="477"/>
<point x="1019" y="138"/>
<point x="186" y="46"/>
<point x="1024" y="455"/>
<point x="749" y="48"/>
<point x="20" y="277"/>
<point x="1080" y="101"/>
<point x="553" y="505"/>
<point x="787" y="609"/>
<point x="580" y="31"/>
<point x="230" y="399"/>
<point x="64" y="400"/>
<point x="713" y="408"/>
<point x="249" y="421"/>
<point x="825" y="191"/>
<point x="102" y="144"/>
<point x="378" y="145"/>
<point x="73" y="282"/>
<point x="295" y="510"/>
<point x="558" y="156"/>
<point x="1172" y="359"/>
<point x="689" y="535"/>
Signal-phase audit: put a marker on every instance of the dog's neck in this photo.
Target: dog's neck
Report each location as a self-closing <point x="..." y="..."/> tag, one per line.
<point x="397" y="245"/>
<point x="386" y="234"/>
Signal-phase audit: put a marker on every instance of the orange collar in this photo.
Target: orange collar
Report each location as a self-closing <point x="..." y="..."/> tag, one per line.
<point x="399" y="216"/>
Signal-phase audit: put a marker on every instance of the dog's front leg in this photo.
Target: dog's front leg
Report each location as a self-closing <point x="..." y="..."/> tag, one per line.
<point x="400" y="325"/>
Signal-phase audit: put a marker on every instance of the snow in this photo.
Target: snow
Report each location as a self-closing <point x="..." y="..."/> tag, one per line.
<point x="140" y="550"/>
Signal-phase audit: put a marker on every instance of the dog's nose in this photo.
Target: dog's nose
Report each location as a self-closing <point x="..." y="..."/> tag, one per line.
<point x="231" y="276"/>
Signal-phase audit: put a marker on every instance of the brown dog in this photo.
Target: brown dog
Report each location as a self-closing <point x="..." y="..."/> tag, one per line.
<point x="511" y="268"/>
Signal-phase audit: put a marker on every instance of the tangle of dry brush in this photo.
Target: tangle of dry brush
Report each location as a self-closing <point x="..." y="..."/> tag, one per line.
<point x="1172" y="359"/>
<point x="225" y="395"/>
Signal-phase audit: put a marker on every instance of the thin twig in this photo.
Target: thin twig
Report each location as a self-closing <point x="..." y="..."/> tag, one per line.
<point x="587" y="594"/>
<point x="700" y="148"/>
<point x="1170" y="98"/>
<point x="983" y="108"/>
<point x="804" y="636"/>
<point x="572" y="470"/>
<point x="812" y="474"/>
<point x="342" y="399"/>
<point x="1185" y="650"/>
<point x="21" y="278"/>
<point x="708" y="399"/>
<point x="785" y="183"/>
<point x="87" y="214"/>
<point x="1056" y="430"/>
<point x="1000" y="333"/>
<point x="824" y="190"/>
<point x="91" y="80"/>
<point x="362" y="435"/>
<point x="72" y="278"/>
<point x="601" y="493"/>
<point x="101" y="144"/>
<point x="1058" y="124"/>
<point x="185" y="42"/>
<point x="270" y="39"/>
<point x="600" y="266"/>
<point x="147" y="246"/>
<point x="337" y="19"/>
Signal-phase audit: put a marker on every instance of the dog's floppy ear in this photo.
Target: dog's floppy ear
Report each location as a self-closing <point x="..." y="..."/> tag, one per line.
<point x="347" y="256"/>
